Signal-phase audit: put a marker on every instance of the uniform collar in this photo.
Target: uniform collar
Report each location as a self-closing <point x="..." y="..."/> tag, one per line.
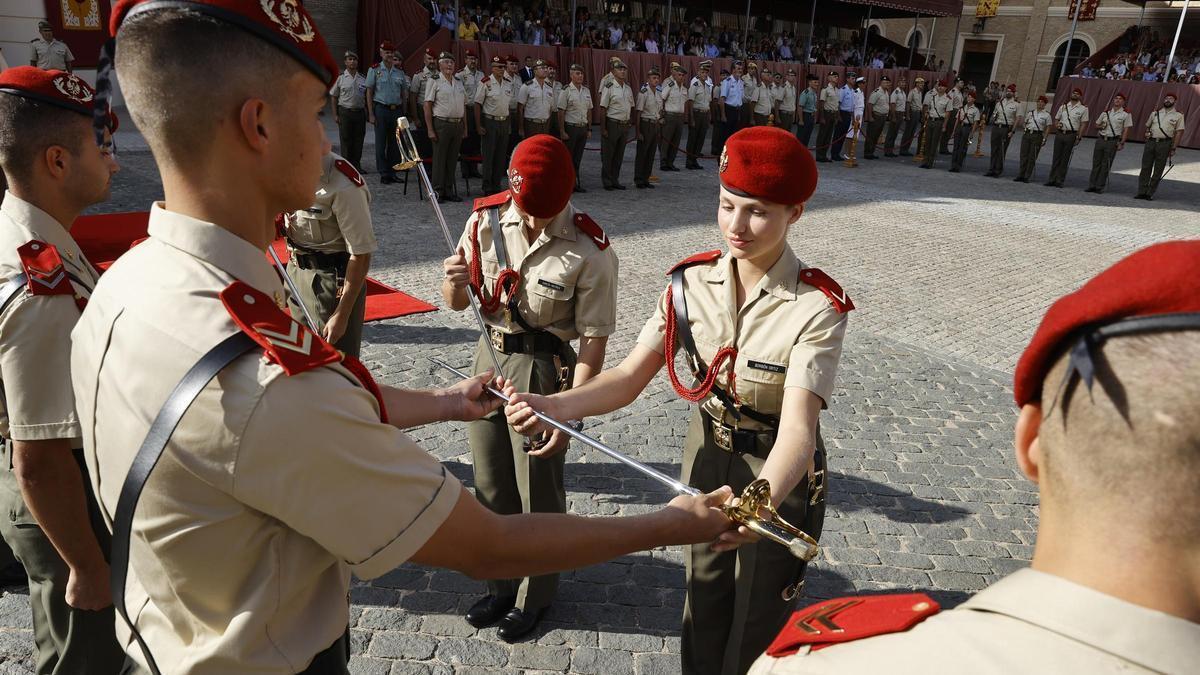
<point x="1092" y="618"/>
<point x="40" y="224"/>
<point x="780" y="280"/>
<point x="216" y="246"/>
<point x="562" y="226"/>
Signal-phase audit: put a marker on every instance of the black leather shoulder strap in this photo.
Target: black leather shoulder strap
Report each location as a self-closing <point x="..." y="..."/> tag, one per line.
<point x="10" y="289"/>
<point x="147" y="457"/>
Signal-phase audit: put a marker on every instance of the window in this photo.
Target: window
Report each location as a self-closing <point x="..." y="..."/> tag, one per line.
<point x="914" y="40"/>
<point x="1079" y="53"/>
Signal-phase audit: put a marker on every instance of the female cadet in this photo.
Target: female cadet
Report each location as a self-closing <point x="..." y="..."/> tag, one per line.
<point x="762" y="333"/>
<point x="544" y="275"/>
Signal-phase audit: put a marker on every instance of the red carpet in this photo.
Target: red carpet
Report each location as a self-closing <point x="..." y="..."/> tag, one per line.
<point x="104" y="238"/>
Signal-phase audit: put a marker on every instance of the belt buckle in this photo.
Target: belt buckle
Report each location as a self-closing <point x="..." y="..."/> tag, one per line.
<point x="497" y="338"/>
<point x="722" y="436"/>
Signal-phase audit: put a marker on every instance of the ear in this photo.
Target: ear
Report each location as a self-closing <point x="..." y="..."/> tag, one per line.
<point x="57" y="160"/>
<point x="797" y="211"/>
<point x="253" y="123"/>
<point x="1028" y="447"/>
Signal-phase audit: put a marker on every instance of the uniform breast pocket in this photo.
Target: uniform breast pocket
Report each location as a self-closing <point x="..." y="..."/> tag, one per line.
<point x="760" y="384"/>
<point x="550" y="300"/>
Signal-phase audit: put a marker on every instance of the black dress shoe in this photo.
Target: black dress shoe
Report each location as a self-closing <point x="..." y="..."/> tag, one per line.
<point x="490" y="609"/>
<point x="387" y="179"/>
<point x="519" y="623"/>
<point x="579" y="189"/>
<point x="870" y="157"/>
<point x="953" y="170"/>
<point x="905" y="153"/>
<point x="694" y="167"/>
<point x="890" y="154"/>
<point x="651" y="186"/>
<point x="609" y="188"/>
<point x="618" y="186"/>
<point x="1049" y="183"/>
<point x="822" y="159"/>
<point x="641" y="186"/>
<point x="1091" y="189"/>
<point x="454" y="198"/>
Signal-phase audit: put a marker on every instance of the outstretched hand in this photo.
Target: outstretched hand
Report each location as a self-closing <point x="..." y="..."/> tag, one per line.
<point x="520" y="412"/>
<point x="469" y="399"/>
<point x="699" y="519"/>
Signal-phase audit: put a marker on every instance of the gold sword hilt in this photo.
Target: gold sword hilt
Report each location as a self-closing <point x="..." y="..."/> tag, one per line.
<point x="755" y="501"/>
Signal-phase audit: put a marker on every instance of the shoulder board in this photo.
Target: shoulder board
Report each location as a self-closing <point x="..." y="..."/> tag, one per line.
<point x="44" y="268"/>
<point x="645" y="87"/>
<point x="349" y="171"/>
<point x="585" y="224"/>
<point x="847" y="619"/>
<point x="706" y="257"/>
<point x="671" y="83"/>
<point x="818" y="279"/>
<point x="485" y="79"/>
<point x="292" y="346"/>
<point x="608" y="84"/>
<point x="498" y="199"/>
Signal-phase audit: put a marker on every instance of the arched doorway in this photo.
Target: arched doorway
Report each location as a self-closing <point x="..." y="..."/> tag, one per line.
<point x="1079" y="53"/>
<point x="914" y="40"/>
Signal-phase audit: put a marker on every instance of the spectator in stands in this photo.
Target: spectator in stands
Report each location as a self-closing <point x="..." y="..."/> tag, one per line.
<point x="468" y="29"/>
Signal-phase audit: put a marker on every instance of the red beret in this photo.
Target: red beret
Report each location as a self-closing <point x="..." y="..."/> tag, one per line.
<point x="1077" y="90"/>
<point x="943" y="83"/>
<point x="1159" y="279"/>
<point x="55" y="87"/>
<point x="430" y="52"/>
<point x="285" y="24"/>
<point x="470" y="52"/>
<point x="541" y="176"/>
<point x="1043" y="99"/>
<point x="387" y="46"/>
<point x="1012" y="87"/>
<point x="1121" y="94"/>
<point x="511" y="58"/>
<point x="768" y="163"/>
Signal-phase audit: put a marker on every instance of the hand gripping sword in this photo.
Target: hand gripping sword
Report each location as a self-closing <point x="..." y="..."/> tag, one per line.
<point x="755" y="499"/>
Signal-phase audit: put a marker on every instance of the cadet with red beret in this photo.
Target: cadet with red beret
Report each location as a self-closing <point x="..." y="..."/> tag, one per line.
<point x="1004" y="123"/>
<point x="545" y="275"/>
<point x="55" y="169"/>
<point x="246" y="466"/>
<point x="938" y="109"/>
<point x="1112" y="127"/>
<point x="762" y="335"/>
<point x="1037" y="124"/>
<point x="1107" y="429"/>
<point x="1069" y="123"/>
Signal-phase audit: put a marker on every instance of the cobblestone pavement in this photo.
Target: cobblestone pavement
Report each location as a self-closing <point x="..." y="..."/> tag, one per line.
<point x="950" y="276"/>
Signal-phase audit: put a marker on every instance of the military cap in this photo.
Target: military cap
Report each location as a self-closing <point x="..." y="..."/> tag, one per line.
<point x="832" y="73"/>
<point x="972" y="94"/>
<point x="1156" y="281"/>
<point x="768" y="163"/>
<point x="469" y="52"/>
<point x="885" y="78"/>
<point x="677" y="68"/>
<point x="445" y="56"/>
<point x="617" y="64"/>
<point x="1012" y="88"/>
<point x="791" y="71"/>
<point x="44" y="25"/>
<point x="387" y="46"/>
<point x="1043" y="99"/>
<point x="54" y="87"/>
<point x="752" y="65"/>
<point x="349" y="53"/>
<point x="613" y="61"/>
<point x="540" y="63"/>
<point x="943" y="83"/>
<point x="850" y="75"/>
<point x="497" y="61"/>
<point x="706" y="64"/>
<point x="813" y="76"/>
<point x="920" y="79"/>
<point x="576" y="68"/>
<point x="724" y="71"/>
<point x="1121" y="95"/>
<point x="653" y="71"/>
<point x="429" y="51"/>
<point x="860" y="79"/>
<point x="957" y="80"/>
<point x="1171" y="95"/>
<point x="541" y="176"/>
<point x="1077" y="92"/>
<point x="511" y="58"/>
<point x="551" y="64"/>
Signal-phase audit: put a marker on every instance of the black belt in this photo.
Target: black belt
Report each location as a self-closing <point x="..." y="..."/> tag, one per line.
<point x="537" y="342"/>
<point x="389" y="106"/>
<point x="1003" y="125"/>
<point x="757" y="443"/>
<point x="1109" y="138"/>
<point x="308" y="260"/>
<point x="578" y="126"/>
<point x="342" y="107"/>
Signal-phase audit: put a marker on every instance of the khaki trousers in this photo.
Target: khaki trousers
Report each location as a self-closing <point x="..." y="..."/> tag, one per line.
<point x="494" y="144"/>
<point x="445" y="155"/>
<point x="1064" y="146"/>
<point x="696" y="133"/>
<point x="1154" y="160"/>
<point x="576" y="142"/>
<point x="1103" y="155"/>
<point x="1031" y="147"/>
<point x="933" y="132"/>
<point x="646" y="146"/>
<point x="318" y="289"/>
<point x="672" y="134"/>
<point x="612" y="151"/>
<point x="999" y="148"/>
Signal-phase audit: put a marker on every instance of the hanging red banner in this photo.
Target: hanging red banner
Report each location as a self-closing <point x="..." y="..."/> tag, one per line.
<point x="1087" y="13"/>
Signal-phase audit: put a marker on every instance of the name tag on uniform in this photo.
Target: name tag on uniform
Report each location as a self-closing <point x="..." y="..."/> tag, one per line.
<point x="769" y="367"/>
<point x="551" y="285"/>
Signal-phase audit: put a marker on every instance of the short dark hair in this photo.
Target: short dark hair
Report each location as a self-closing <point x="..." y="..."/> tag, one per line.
<point x="29" y="127"/>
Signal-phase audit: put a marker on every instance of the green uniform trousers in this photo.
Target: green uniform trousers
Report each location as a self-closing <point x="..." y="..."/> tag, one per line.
<point x="999" y="148"/>
<point x="494" y="144"/>
<point x="1103" y="154"/>
<point x="962" y="143"/>
<point x="672" y="135"/>
<point x="1031" y="147"/>
<point x="318" y="287"/>
<point x="647" y="144"/>
<point x="933" y="135"/>
<point x="785" y="121"/>
<point x="874" y="129"/>
<point x="577" y="135"/>
<point x="333" y="660"/>
<point x="509" y="481"/>
<point x="734" y="606"/>
<point x="696" y="133"/>
<point x="894" y="128"/>
<point x="445" y="155"/>
<point x="612" y="151"/>
<point x="1064" y="146"/>
<point x="69" y="641"/>
<point x="1154" y="159"/>
<point x="912" y="132"/>
<point x="533" y="128"/>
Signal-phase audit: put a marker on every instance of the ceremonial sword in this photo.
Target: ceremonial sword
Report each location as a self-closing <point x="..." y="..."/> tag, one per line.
<point x="292" y="288"/>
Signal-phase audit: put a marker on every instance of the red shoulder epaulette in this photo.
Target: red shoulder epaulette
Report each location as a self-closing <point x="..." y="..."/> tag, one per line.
<point x="295" y="348"/>
<point x="44" y="269"/>
<point x="707" y="256"/>
<point x="349" y="171"/>
<point x="498" y="199"/>
<point x="847" y="619"/>
<point x="818" y="279"/>
<point x="485" y="79"/>
<point x="586" y="225"/>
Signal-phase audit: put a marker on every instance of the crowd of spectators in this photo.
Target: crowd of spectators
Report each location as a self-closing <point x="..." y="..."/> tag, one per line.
<point x="1142" y="55"/>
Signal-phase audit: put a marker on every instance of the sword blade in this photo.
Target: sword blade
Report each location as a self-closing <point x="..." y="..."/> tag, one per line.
<point x="293" y="290"/>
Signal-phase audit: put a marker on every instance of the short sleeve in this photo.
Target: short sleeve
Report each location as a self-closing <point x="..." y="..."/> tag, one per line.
<point x="464" y="242"/>
<point x="70" y="54"/>
<point x="596" y="295"/>
<point x="431" y="89"/>
<point x="315" y="456"/>
<point x="813" y="361"/>
<point x="656" y="326"/>
<point x="352" y="207"/>
<point x="561" y="102"/>
<point x="523" y="94"/>
<point x="35" y="367"/>
<point x="604" y="96"/>
<point x="641" y="101"/>
<point x="333" y="91"/>
<point x="480" y="93"/>
<point x="371" y="78"/>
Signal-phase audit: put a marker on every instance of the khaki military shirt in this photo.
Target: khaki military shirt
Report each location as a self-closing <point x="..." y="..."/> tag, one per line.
<point x="939" y="105"/>
<point x="787" y="98"/>
<point x="1005" y="111"/>
<point x="787" y="334"/>
<point x="514" y="88"/>
<point x="700" y="93"/>
<point x="52" y="55"/>
<point x="1037" y="120"/>
<point x="448" y="97"/>
<point x="36" y="401"/>
<point x="829" y="98"/>
<point x="750" y="87"/>
<point x="350" y="90"/>
<point x="969" y="115"/>
<point x="956" y="98"/>
<point x="568" y="284"/>
<point x="273" y="488"/>
<point x="899" y="99"/>
<point x="617" y="100"/>
<point x="538" y="100"/>
<point x="880" y="102"/>
<point x="470" y="80"/>
<point x="493" y="95"/>
<point x="764" y="99"/>
<point x="674" y="96"/>
<point x="649" y="103"/>
<point x="339" y="218"/>
<point x="1028" y="622"/>
<point x="422" y="77"/>
<point x="1071" y="117"/>
<point x="915" y="99"/>
<point x="576" y="104"/>
<point x="1111" y="124"/>
<point x="1164" y="124"/>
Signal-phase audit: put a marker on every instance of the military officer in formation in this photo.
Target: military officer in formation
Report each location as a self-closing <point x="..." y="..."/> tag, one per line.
<point x="330" y="245"/>
<point x="898" y="119"/>
<point x="470" y="76"/>
<point x="915" y="126"/>
<point x="48" y="52"/>
<point x="674" y="100"/>
<point x="785" y="99"/>
<point x="734" y="98"/>
<point x="827" y="115"/>
<point x="648" y="122"/>
<point x="1164" y="130"/>
<point x="967" y="123"/>
<point x="1112" y="128"/>
<point x="1069" y="123"/>
<point x="491" y="123"/>
<point x="54" y="169"/>
<point x="347" y="99"/>
<point x="938" y="109"/>
<point x="762" y="332"/>
<point x="806" y="109"/>
<point x="957" y="97"/>
<point x="718" y="114"/>
<point x="750" y="85"/>
<point x="1036" y="128"/>
<point x="544" y="275"/>
<point x="575" y="118"/>
<point x="387" y="93"/>
<point x="881" y="107"/>
<point x="236" y="554"/>
<point x="1115" y="444"/>
<point x="416" y="97"/>
<point x="764" y="101"/>
<point x="1005" y="115"/>
<point x="699" y="114"/>
<point x="513" y="74"/>
<point x="535" y="103"/>
<point x="616" y="107"/>
<point x="446" y="120"/>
